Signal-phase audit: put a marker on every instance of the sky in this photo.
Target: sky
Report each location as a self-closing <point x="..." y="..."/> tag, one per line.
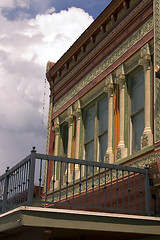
<point x="32" y="33"/>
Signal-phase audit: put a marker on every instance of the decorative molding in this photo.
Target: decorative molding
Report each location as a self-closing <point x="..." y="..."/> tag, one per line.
<point x="156" y="12"/>
<point x="145" y="55"/>
<point x="103" y="42"/>
<point x="120" y="74"/>
<point x="108" y="84"/>
<point x="144" y="140"/>
<point x="77" y="107"/>
<point x="118" y="154"/>
<point x="107" y="158"/>
<point x="56" y="125"/>
<point x="128" y="44"/>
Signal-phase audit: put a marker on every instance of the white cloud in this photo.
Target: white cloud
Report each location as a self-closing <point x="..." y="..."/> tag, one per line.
<point x="25" y="48"/>
<point x="51" y="10"/>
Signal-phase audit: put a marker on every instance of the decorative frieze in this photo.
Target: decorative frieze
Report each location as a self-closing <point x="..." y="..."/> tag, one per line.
<point x="137" y="36"/>
<point x="99" y="46"/>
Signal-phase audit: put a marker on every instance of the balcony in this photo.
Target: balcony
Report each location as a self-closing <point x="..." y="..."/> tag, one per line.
<point x="61" y="188"/>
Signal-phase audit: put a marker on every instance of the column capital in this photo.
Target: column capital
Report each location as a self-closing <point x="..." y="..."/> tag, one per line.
<point x="145" y="56"/>
<point x="77" y="108"/>
<point x="56" y="125"/>
<point x="120" y="74"/>
<point x="108" y="84"/>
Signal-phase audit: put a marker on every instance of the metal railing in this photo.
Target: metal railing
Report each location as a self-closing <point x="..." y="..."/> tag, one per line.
<point x="75" y="184"/>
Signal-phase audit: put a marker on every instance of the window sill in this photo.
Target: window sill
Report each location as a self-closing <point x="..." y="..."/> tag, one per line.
<point x="135" y="155"/>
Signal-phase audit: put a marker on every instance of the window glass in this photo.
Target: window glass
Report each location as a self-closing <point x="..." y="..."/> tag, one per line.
<point x="137" y="109"/>
<point x="103" y="127"/>
<point x="64" y="136"/>
<point x="89" y="123"/>
<point x="103" y="146"/>
<point x="103" y="115"/>
<point x="137" y="91"/>
<point x="89" y="150"/>
<point x="98" y="114"/>
<point x="137" y="131"/>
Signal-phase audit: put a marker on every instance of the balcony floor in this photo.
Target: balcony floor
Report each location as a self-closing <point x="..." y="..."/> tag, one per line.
<point x="47" y="224"/>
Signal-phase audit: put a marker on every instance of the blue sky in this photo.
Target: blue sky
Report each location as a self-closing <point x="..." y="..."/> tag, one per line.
<point x="30" y="8"/>
<point x="33" y="32"/>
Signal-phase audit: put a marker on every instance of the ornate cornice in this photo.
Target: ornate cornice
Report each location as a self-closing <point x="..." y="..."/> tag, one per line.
<point x="125" y="46"/>
<point x="102" y="43"/>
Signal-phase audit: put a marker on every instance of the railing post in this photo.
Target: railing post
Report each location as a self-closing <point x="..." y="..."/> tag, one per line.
<point x="147" y="191"/>
<point x="4" y="203"/>
<point x="31" y="177"/>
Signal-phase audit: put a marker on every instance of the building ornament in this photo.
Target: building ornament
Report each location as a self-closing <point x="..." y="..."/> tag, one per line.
<point x="156" y="12"/>
<point x="145" y="55"/>
<point x="120" y="75"/>
<point x="69" y="117"/>
<point x="99" y="46"/>
<point x="108" y="84"/>
<point x="56" y="125"/>
<point x="144" y="140"/>
<point x="128" y="44"/>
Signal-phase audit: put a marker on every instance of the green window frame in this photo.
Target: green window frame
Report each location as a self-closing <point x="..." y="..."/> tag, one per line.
<point x="96" y="130"/>
<point x="136" y="93"/>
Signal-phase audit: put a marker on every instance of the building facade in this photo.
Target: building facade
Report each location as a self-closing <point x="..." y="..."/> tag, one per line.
<point x="104" y="93"/>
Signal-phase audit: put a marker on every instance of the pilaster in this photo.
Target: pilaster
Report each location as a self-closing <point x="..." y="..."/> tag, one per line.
<point x="120" y="79"/>
<point x="70" y="134"/>
<point x="56" y="128"/>
<point x="108" y="88"/>
<point x="156" y="15"/>
<point x="145" y="60"/>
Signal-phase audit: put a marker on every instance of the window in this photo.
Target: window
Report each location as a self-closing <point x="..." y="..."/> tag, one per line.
<point x="89" y="125"/>
<point x="103" y="127"/>
<point x="64" y="137"/>
<point x="136" y="83"/>
<point x="96" y="130"/>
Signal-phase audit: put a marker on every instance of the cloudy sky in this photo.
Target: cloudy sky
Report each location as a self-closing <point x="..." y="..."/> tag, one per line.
<point x="31" y="33"/>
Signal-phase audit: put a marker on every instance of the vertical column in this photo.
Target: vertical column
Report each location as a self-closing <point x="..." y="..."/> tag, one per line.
<point x="120" y="79"/>
<point x="56" y="128"/>
<point x="109" y="157"/>
<point x="147" y="138"/>
<point x="156" y="21"/>
<point x="70" y="134"/>
<point x="78" y="135"/>
<point x="78" y="125"/>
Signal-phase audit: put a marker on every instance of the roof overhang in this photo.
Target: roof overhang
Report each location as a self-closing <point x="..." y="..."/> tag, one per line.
<point x="25" y="222"/>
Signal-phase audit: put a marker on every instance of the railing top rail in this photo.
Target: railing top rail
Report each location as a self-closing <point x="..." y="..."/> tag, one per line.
<point x="89" y="163"/>
<point x="13" y="169"/>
